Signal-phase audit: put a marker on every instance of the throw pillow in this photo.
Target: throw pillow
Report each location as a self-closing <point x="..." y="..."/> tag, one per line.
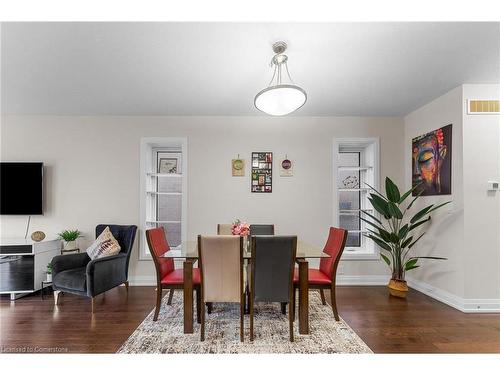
<point x="103" y="246"/>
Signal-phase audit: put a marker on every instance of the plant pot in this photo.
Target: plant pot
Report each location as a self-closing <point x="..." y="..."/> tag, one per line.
<point x="398" y="288"/>
<point x="49" y="278"/>
<point x="69" y="245"/>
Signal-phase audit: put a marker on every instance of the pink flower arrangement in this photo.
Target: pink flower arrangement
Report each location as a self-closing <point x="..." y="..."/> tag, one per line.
<point x="240" y="228"/>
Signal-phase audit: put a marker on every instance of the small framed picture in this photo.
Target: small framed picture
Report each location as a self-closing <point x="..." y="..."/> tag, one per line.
<point x="168" y="165"/>
<point x="286" y="168"/>
<point x="238" y="167"/>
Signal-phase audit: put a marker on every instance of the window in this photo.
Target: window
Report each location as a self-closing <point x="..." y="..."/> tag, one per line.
<point x="355" y="169"/>
<point x="163" y="187"/>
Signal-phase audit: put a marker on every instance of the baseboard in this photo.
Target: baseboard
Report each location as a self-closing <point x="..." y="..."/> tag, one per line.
<point x="355" y="280"/>
<point x="459" y="303"/>
<point x="142" y="280"/>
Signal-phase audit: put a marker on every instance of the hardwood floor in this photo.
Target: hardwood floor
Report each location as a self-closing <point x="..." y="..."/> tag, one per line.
<point x="388" y="325"/>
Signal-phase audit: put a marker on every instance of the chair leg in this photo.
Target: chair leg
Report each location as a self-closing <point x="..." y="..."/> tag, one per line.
<point x="283" y="308"/>
<point x="198" y="305"/>
<point x="202" y="328"/>
<point x="242" y="318"/>
<point x="334" y="303"/>
<point x="290" y="320"/>
<point x="294" y="302"/>
<point x="322" y="294"/>
<point x="170" y="296"/>
<point x="251" y="320"/>
<point x="57" y="293"/>
<point x="126" y="285"/>
<point x="209" y="307"/>
<point x="158" y="302"/>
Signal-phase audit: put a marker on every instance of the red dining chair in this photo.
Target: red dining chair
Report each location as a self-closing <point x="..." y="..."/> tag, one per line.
<point x="167" y="277"/>
<point x="325" y="276"/>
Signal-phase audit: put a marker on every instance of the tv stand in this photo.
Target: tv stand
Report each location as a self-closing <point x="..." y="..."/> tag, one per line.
<point x="23" y="264"/>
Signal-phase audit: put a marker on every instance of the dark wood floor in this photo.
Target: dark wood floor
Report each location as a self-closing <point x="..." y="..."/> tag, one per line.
<point x="388" y="325"/>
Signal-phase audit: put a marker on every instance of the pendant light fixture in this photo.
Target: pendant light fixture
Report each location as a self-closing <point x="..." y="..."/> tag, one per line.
<point x="282" y="96"/>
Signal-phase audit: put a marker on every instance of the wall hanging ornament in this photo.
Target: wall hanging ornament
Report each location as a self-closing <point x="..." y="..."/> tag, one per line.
<point x="262" y="172"/>
<point x="286" y="167"/>
<point x="238" y="167"/>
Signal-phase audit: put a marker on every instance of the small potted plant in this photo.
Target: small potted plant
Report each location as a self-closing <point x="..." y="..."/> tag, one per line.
<point x="49" y="272"/>
<point x="393" y="231"/>
<point x="69" y="237"/>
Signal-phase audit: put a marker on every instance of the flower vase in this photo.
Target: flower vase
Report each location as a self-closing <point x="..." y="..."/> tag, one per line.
<point x="49" y="277"/>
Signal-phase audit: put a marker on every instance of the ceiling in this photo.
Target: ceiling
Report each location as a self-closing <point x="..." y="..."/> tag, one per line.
<point x="372" y="69"/>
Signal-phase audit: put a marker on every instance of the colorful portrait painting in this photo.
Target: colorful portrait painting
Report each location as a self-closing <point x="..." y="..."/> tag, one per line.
<point x="431" y="162"/>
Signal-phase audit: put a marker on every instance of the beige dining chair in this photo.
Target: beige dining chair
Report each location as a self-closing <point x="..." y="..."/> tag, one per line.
<point x="221" y="264"/>
<point x="224" y="229"/>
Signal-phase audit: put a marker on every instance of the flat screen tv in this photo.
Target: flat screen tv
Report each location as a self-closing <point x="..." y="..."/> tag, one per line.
<point x="21" y="188"/>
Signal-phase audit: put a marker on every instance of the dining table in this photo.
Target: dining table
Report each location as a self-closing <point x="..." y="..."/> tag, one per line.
<point x="188" y="252"/>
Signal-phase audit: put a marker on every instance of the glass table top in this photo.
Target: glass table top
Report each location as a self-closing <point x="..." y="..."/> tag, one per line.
<point x="189" y="249"/>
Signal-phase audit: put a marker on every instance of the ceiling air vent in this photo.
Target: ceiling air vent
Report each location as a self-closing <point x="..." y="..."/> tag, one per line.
<point x="484" y="107"/>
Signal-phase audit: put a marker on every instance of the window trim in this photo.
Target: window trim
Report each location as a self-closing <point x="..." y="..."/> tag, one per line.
<point x="355" y="142"/>
<point x="146" y="161"/>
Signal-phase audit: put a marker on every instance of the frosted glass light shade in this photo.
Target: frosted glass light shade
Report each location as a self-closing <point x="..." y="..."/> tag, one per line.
<point x="280" y="100"/>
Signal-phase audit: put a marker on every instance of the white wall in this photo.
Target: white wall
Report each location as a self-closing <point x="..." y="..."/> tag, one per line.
<point x="482" y="208"/>
<point x="92" y="170"/>
<point x="444" y="235"/>
<point x="468" y="231"/>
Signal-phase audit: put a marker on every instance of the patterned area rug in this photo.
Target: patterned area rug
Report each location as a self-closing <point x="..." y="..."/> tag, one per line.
<point x="222" y="332"/>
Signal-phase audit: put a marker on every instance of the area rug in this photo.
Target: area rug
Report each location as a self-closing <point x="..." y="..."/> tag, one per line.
<point x="271" y="333"/>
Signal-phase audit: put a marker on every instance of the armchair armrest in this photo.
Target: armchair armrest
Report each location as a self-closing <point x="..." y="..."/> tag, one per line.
<point x="66" y="262"/>
<point x="105" y="273"/>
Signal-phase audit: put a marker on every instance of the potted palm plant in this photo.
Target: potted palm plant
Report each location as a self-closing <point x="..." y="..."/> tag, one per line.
<point x="69" y="237"/>
<point x="394" y="231"/>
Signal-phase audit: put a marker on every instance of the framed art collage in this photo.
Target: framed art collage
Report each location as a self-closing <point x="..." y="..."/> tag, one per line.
<point x="262" y="172"/>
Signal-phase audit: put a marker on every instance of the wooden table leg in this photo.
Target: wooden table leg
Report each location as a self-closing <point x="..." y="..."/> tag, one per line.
<point x="303" y="297"/>
<point x="188" y="296"/>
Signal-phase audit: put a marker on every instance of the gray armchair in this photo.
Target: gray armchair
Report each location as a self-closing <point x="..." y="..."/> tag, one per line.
<point x="77" y="274"/>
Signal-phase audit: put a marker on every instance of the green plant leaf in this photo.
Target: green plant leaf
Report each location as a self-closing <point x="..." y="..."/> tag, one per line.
<point x="392" y="191"/>
<point x="376" y="191"/>
<point x="394" y="210"/>
<point x="394" y="238"/>
<point x="414" y="242"/>
<point x="382" y="244"/>
<point x="69" y="235"/>
<point x="379" y="204"/>
<point x="438" y="206"/>
<point x="420" y="214"/>
<point x="372" y="224"/>
<point x="410" y="268"/>
<point x="403" y="231"/>
<point x="387" y="260"/>
<point x="405" y="195"/>
<point x="406" y="242"/>
<point x="414" y="199"/>
<point x="413" y="226"/>
<point x="410" y="264"/>
<point x="370" y="215"/>
<point x="439" y="258"/>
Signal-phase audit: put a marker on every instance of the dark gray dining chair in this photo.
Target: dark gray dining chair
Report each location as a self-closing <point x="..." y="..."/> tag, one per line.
<point x="272" y="267"/>
<point x="261" y="229"/>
